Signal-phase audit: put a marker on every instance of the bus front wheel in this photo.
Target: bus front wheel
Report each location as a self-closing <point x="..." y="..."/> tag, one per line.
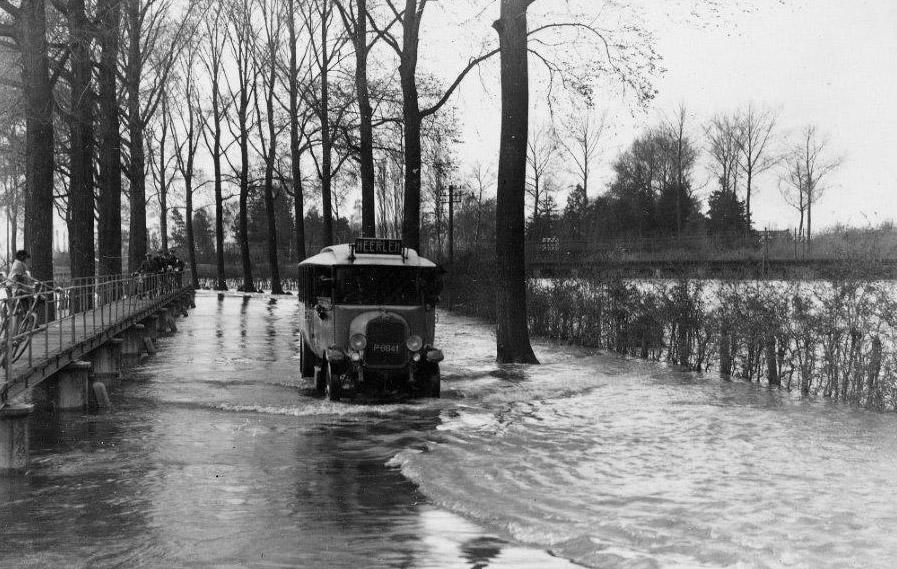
<point x="334" y="386"/>
<point x="307" y="360"/>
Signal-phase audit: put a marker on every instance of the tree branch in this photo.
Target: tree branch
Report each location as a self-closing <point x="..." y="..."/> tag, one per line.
<point x="385" y="35"/>
<point x="445" y="97"/>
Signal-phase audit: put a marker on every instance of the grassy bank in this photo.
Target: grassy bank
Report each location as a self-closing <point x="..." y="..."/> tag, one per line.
<point x="837" y="339"/>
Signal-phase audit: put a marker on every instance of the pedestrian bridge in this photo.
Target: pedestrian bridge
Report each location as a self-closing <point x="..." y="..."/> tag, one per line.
<point x="64" y="347"/>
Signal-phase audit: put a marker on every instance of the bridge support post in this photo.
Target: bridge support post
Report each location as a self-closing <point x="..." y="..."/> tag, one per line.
<point x="14" y="437"/>
<point x="132" y="346"/>
<point x="166" y="324"/>
<point x="188" y="301"/>
<point x="149" y="334"/>
<point x="71" y="387"/>
<point x="106" y="362"/>
<point x="151" y="327"/>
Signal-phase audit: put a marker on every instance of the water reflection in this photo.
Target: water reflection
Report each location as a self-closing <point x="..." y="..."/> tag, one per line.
<point x="479" y="552"/>
<point x="79" y="493"/>
<point x="215" y="454"/>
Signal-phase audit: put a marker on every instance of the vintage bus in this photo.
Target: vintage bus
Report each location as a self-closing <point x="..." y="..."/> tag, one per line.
<point x="369" y="320"/>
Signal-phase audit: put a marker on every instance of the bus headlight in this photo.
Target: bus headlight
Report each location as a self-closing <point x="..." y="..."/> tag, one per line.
<point x="358" y="342"/>
<point x="415" y="343"/>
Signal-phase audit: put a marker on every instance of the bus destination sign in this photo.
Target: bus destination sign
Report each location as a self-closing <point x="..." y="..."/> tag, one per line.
<point x="368" y="246"/>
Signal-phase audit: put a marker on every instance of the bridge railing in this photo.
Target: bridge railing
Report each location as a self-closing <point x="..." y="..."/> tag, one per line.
<point x="36" y="325"/>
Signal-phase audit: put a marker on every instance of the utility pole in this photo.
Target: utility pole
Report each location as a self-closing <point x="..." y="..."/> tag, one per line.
<point x="454" y="197"/>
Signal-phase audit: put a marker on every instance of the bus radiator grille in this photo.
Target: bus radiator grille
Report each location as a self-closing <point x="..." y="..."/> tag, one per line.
<point x="386" y="344"/>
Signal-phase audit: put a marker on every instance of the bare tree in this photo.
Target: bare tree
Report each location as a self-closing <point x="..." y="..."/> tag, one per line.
<point x="326" y="46"/>
<point x="410" y="19"/>
<point x="28" y="31"/>
<point x="109" y="240"/>
<point x="186" y="134"/>
<point x="266" y="66"/>
<point x="792" y="185"/>
<point x="684" y="156"/>
<point x="155" y="39"/>
<point x="242" y="91"/>
<point x="541" y="152"/>
<point x="756" y="127"/>
<point x="512" y="335"/>
<point x="355" y="19"/>
<point x="12" y="171"/>
<point x="161" y="162"/>
<point x="808" y="164"/>
<point x="298" y="123"/>
<point x="583" y="141"/>
<point x="211" y="55"/>
<point x="632" y="60"/>
<point x="390" y="192"/>
<point x="724" y="148"/>
<point x="82" y="149"/>
<point x="483" y="178"/>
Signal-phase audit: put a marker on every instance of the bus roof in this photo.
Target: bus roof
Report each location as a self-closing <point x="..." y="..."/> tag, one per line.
<point x="341" y="255"/>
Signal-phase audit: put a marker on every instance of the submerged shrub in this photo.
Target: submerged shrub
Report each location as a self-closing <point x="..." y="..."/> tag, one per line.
<point x="837" y="339"/>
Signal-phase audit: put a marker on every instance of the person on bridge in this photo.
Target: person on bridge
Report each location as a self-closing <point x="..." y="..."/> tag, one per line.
<point x="20" y="285"/>
<point x="19" y="280"/>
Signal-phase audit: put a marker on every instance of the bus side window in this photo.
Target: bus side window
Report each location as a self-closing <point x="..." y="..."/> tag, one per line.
<point x="322" y="282"/>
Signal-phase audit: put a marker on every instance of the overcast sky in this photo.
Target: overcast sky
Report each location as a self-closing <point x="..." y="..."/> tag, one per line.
<point x="828" y="62"/>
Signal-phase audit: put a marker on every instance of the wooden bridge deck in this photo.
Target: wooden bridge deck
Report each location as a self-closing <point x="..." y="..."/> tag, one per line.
<point x="71" y="337"/>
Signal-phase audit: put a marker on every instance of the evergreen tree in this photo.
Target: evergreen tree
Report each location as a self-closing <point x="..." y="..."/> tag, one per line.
<point x="204" y="236"/>
<point x="575" y="213"/>
<point x="727" y="216"/>
<point x="178" y="239"/>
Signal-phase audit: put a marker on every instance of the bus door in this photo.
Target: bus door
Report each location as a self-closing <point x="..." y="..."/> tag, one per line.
<point x="319" y="311"/>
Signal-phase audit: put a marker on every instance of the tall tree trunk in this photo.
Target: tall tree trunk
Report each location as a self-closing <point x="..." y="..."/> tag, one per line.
<point x="248" y="282"/>
<point x="326" y="136"/>
<point x="747" y="200"/>
<point x="366" y="112"/>
<point x="109" y="222"/>
<point x="137" y="243"/>
<point x="273" y="263"/>
<point x="295" y="149"/>
<point x="81" y="153"/>
<point x="221" y="280"/>
<point x="188" y="215"/>
<point x="185" y="165"/>
<point x="412" y="119"/>
<point x="512" y="336"/>
<point x="163" y="182"/>
<point x="39" y="159"/>
<point x="809" y="216"/>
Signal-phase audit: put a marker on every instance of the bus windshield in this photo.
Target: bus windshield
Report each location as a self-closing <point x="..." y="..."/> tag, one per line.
<point x="401" y="286"/>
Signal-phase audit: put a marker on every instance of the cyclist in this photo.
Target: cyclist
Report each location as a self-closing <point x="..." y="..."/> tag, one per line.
<point x="19" y="279"/>
<point x="20" y="285"/>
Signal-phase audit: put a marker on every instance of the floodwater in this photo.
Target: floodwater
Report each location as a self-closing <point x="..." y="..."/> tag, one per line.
<point x="215" y="454"/>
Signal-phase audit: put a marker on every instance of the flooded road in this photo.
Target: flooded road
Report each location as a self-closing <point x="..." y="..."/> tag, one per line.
<point x="216" y="455"/>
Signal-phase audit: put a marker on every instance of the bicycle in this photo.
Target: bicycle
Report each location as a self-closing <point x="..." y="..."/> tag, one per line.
<point x="25" y="315"/>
